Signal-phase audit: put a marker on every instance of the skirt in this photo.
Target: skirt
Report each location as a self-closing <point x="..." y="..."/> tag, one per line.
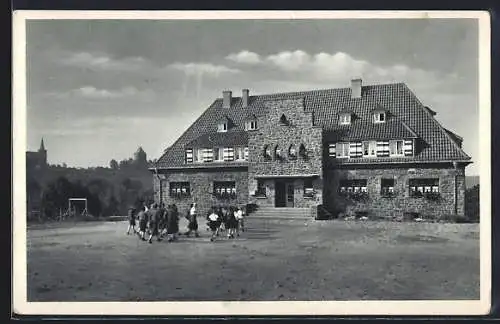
<point x="142" y="225"/>
<point x="131" y="222"/>
<point x="193" y="226"/>
<point x="172" y="228"/>
<point x="153" y="228"/>
<point x="213" y="225"/>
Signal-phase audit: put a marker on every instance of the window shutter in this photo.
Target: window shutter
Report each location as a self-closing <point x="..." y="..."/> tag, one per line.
<point x="355" y="150"/>
<point x="246" y="153"/>
<point x="332" y="150"/>
<point x="228" y="154"/>
<point x="207" y="155"/>
<point x="382" y="148"/>
<point x="189" y="155"/>
<point x="408" y="148"/>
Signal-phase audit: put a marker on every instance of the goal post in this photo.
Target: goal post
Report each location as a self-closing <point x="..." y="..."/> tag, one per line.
<point x="72" y="202"/>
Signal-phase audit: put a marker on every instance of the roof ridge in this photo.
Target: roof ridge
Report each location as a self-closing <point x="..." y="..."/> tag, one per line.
<point x="434" y="120"/>
<point x="277" y="94"/>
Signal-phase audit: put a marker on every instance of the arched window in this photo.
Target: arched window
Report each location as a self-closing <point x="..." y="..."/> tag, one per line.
<point x="266" y="152"/>
<point x="292" y="152"/>
<point x="277" y="152"/>
<point x="302" y="150"/>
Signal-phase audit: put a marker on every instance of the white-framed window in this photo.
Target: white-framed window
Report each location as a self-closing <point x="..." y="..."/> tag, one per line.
<point x="420" y="186"/>
<point x="218" y="154"/>
<point x="277" y="153"/>
<point x="396" y="148"/>
<point x="342" y="150"/>
<point x="239" y="153"/>
<point x="198" y="155"/>
<point x="251" y="125"/>
<point x="292" y="152"/>
<point x="345" y="119"/>
<point x="369" y="148"/>
<point x="222" y="127"/>
<point x="379" y="117"/>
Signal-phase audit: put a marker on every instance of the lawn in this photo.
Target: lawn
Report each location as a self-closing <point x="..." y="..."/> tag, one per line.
<point x="272" y="260"/>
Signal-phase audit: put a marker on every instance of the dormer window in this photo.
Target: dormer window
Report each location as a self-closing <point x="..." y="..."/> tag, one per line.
<point x="379" y="117"/>
<point x="251" y="125"/>
<point x="345" y="119"/>
<point x="222" y="127"/>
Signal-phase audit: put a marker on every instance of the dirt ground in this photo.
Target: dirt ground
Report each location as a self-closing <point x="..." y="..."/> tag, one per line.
<point x="272" y="260"/>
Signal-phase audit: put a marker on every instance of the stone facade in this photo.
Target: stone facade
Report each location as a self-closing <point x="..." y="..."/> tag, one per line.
<point x="201" y="187"/>
<point x="296" y="131"/>
<point x="451" y="191"/>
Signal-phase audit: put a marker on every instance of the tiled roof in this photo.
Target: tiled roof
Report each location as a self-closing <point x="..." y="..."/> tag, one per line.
<point x="396" y="98"/>
<point x="227" y="139"/>
<point x="363" y="130"/>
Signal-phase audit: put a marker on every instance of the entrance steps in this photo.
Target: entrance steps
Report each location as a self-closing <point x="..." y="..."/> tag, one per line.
<point x="282" y="213"/>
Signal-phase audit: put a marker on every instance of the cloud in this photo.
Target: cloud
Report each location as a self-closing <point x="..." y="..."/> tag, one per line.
<point x="205" y="69"/>
<point x="337" y="68"/>
<point x="244" y="57"/>
<point x="91" y="92"/>
<point x="101" y="61"/>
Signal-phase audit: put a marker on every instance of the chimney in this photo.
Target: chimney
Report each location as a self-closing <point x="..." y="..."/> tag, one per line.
<point x="244" y="98"/>
<point x="356" y="88"/>
<point x="226" y="99"/>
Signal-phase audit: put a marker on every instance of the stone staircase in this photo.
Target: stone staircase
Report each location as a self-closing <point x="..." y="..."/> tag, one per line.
<point x="286" y="213"/>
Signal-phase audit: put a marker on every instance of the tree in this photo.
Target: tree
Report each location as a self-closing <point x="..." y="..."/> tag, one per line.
<point x="472" y="203"/>
<point x="113" y="164"/>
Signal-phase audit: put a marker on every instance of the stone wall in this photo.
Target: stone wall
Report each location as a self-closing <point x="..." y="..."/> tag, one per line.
<point x="201" y="186"/>
<point x="272" y="132"/>
<point x="451" y="188"/>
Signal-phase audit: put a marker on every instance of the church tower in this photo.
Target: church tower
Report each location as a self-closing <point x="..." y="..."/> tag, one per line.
<point x="42" y="153"/>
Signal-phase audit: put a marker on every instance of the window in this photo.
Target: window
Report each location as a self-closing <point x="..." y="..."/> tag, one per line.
<point x="222" y="127"/>
<point x="387" y="187"/>
<point x="345" y="119"/>
<point x="225" y="189"/>
<point x="261" y="189"/>
<point x="302" y="151"/>
<point x="356" y="185"/>
<point x="267" y="152"/>
<point x="308" y="188"/>
<point x="179" y="189"/>
<point x="419" y="187"/>
<point x="277" y="153"/>
<point x="379" y="117"/>
<point x="239" y="153"/>
<point x="396" y="148"/>
<point x="292" y="152"/>
<point x="198" y="155"/>
<point x="342" y="150"/>
<point x="369" y="148"/>
<point x="218" y="154"/>
<point x="283" y="120"/>
<point x="251" y="125"/>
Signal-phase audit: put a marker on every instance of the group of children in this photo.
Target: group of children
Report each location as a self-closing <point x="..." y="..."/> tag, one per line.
<point x="159" y="221"/>
<point x="225" y="219"/>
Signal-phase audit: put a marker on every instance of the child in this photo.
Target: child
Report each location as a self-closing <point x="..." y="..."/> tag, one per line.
<point x="154" y="217"/>
<point x="238" y="214"/>
<point x="232" y="223"/>
<point x="131" y="220"/>
<point x="172" y="224"/>
<point x="193" y="223"/>
<point x="142" y="223"/>
<point x="213" y="223"/>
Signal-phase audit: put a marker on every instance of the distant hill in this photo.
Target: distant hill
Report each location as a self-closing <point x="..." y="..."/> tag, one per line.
<point x="471" y="181"/>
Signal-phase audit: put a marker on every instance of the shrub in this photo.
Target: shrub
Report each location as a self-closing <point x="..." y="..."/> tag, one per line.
<point x="361" y="213"/>
<point x="323" y="214"/>
<point x="472" y="203"/>
<point x="410" y="216"/>
<point x="454" y="218"/>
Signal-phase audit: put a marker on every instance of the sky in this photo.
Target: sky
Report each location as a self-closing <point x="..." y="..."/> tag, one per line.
<point x="99" y="89"/>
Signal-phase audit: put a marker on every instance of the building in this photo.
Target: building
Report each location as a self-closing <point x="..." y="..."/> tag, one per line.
<point x="37" y="160"/>
<point x="372" y="149"/>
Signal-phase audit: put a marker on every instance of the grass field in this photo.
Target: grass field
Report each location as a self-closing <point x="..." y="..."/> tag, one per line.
<point x="272" y="260"/>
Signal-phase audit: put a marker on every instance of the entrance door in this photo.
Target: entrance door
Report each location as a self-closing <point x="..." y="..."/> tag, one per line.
<point x="289" y="194"/>
<point x="280" y="194"/>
